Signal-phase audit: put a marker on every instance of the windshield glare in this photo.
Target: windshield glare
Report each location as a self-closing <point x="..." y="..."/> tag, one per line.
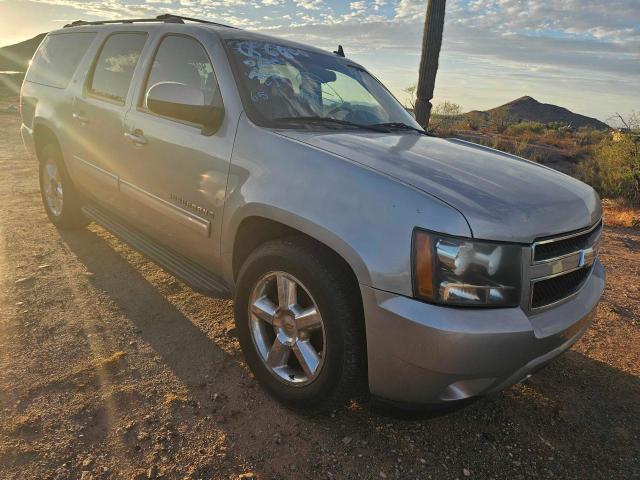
<point x="282" y="82"/>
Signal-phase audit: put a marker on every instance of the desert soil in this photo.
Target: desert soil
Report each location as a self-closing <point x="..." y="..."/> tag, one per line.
<point x="111" y="368"/>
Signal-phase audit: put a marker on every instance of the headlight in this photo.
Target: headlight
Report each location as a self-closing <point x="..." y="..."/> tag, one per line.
<point x="465" y="272"/>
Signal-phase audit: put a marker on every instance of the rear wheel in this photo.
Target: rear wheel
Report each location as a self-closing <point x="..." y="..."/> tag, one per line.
<point x="300" y="325"/>
<point x="61" y="200"/>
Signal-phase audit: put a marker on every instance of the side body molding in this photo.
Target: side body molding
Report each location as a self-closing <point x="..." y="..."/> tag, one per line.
<point x="97" y="173"/>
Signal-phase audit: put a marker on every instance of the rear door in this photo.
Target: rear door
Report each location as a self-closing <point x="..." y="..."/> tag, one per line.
<point x="98" y="117"/>
<point x="174" y="175"/>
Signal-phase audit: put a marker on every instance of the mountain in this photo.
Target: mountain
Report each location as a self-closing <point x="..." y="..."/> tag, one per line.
<point x="529" y="109"/>
<point x="16" y="57"/>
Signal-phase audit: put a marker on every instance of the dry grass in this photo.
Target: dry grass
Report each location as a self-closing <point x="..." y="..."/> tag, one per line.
<point x="174" y="399"/>
<point x="617" y="214"/>
<point x="112" y="360"/>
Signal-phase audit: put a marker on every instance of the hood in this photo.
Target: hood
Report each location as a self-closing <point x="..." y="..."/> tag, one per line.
<point x="503" y="197"/>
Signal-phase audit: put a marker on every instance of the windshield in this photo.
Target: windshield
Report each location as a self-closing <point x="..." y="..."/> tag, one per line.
<point x="283" y="86"/>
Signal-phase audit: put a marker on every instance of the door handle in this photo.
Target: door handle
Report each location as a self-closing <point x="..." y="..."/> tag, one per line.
<point x="80" y="118"/>
<point x="136" y="137"/>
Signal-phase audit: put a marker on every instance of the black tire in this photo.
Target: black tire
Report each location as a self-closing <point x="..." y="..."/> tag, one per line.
<point x="342" y="376"/>
<point x="70" y="216"/>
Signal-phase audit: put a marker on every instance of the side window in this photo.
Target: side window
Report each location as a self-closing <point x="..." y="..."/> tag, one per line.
<point x="58" y="57"/>
<point x="115" y="65"/>
<point x="183" y="60"/>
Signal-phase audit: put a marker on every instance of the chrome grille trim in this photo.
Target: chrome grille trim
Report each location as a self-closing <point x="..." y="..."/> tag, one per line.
<point x="597" y="226"/>
<point x="583" y="257"/>
<point x="563" y="299"/>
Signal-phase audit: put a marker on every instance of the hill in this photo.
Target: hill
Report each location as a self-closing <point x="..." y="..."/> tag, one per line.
<point x="16" y="57"/>
<point x="529" y="109"/>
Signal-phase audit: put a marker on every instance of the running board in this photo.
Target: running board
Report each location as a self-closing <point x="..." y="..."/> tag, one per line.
<point x="197" y="277"/>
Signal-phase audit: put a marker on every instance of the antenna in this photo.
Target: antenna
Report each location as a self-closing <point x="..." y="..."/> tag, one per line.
<point x="340" y="51"/>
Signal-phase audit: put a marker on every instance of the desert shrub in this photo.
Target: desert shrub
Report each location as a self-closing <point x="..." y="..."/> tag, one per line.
<point x="500" y="119"/>
<point x="559" y="126"/>
<point x="473" y="123"/>
<point x="525" y="127"/>
<point x="589" y="136"/>
<point x="521" y="148"/>
<point x="444" y="117"/>
<point x="614" y="169"/>
<point x="538" y="156"/>
<point x="556" y="133"/>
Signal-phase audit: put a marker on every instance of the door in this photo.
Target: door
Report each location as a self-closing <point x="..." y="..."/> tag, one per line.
<point x="98" y="114"/>
<point x="177" y="177"/>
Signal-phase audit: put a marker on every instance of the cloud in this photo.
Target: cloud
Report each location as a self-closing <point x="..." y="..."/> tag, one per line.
<point x="309" y="4"/>
<point x="583" y="44"/>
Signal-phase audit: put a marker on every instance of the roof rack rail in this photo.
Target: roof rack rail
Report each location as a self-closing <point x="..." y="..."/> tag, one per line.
<point x="165" y="18"/>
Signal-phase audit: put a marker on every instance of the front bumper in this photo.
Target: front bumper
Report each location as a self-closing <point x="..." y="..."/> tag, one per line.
<point x="424" y="353"/>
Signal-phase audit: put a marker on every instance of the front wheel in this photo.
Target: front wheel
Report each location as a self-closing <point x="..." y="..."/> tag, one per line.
<point x="299" y="321"/>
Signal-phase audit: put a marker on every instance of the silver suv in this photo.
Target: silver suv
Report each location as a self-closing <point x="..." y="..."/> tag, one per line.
<point x="363" y="254"/>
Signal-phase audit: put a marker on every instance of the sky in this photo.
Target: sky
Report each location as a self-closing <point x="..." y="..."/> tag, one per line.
<point x="580" y="54"/>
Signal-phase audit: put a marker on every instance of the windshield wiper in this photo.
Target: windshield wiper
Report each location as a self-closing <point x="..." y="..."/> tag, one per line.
<point x="332" y="121"/>
<point x="400" y="126"/>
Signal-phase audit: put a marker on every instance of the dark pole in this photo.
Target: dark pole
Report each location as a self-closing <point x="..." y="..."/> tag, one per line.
<point x="431" y="42"/>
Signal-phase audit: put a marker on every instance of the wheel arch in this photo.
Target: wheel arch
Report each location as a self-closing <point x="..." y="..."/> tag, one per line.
<point x="256" y="230"/>
<point x="44" y="134"/>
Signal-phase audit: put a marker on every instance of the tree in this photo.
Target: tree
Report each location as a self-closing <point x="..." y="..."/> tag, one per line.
<point x="431" y="43"/>
<point x="411" y="92"/>
<point x="445" y="115"/>
<point x="629" y="122"/>
<point x="500" y="119"/>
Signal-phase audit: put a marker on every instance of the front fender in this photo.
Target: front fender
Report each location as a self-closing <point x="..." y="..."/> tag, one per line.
<point x="366" y="217"/>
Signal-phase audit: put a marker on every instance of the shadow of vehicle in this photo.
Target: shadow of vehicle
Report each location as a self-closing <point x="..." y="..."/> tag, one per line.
<point x="184" y="347"/>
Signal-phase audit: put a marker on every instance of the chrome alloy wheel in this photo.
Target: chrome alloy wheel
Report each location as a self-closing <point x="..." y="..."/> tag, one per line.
<point x="286" y="328"/>
<point x="52" y="184"/>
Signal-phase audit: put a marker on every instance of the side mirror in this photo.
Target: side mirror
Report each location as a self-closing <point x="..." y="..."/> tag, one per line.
<point x="184" y="102"/>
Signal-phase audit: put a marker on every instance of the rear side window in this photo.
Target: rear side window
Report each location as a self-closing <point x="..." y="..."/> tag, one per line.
<point x="58" y="57"/>
<point x="115" y="65"/>
<point x="183" y="59"/>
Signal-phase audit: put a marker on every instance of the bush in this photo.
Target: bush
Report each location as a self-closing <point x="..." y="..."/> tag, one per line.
<point x="500" y="119"/>
<point x="444" y="116"/>
<point x="614" y="169"/>
<point x="560" y="126"/>
<point x="473" y="124"/>
<point x="589" y="136"/>
<point x="524" y="127"/>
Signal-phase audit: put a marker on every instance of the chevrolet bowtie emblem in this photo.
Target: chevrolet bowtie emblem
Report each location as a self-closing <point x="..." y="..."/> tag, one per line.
<point x="587" y="257"/>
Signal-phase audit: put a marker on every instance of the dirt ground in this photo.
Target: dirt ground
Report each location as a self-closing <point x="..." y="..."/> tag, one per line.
<point x="111" y="368"/>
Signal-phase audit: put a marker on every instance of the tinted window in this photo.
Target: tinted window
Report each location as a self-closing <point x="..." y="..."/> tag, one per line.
<point x="183" y="60"/>
<point x="58" y="57"/>
<point x="116" y="64"/>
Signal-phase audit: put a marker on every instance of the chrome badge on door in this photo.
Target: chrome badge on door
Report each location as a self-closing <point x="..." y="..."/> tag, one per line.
<point x="192" y="206"/>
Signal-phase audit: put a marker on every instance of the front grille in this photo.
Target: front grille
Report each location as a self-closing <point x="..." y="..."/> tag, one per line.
<point x="551" y="290"/>
<point x="548" y="249"/>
